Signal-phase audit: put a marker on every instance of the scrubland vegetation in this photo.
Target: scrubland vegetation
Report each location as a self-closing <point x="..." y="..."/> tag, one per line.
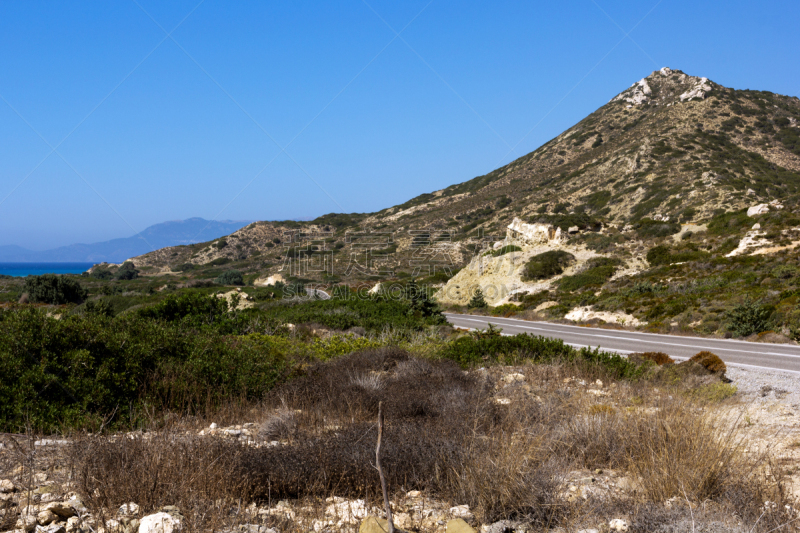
<point x="519" y="428"/>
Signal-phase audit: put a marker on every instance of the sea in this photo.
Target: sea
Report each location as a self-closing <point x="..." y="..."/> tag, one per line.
<point x="37" y="269"/>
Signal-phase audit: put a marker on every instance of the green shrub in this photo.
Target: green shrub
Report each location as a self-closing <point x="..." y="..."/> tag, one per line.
<point x="663" y="255"/>
<point x="480" y="350"/>
<point x="83" y="370"/>
<point x="102" y="272"/>
<point x="600" y="270"/>
<point x="230" y="277"/>
<point x="505" y="310"/>
<point x="220" y="261"/>
<point x="53" y="289"/>
<point x="655" y="228"/>
<point x="749" y="317"/>
<point x="185" y="267"/>
<point x="127" y="271"/>
<point x="547" y="264"/>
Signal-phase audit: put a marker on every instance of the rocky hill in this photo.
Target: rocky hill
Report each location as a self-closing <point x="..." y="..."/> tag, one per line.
<point x="669" y="157"/>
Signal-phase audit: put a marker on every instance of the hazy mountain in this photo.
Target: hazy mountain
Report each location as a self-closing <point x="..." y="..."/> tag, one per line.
<point x="172" y="233"/>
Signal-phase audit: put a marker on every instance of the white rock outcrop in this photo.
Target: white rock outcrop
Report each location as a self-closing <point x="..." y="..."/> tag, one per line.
<point x="271" y="280"/>
<point x="582" y="314"/>
<point x="637" y="94"/>
<point x="532" y="234"/>
<point x="159" y="523"/>
<point x="760" y="209"/>
<point x="698" y="91"/>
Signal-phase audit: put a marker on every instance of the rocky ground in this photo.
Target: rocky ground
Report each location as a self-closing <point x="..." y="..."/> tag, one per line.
<point x="38" y="490"/>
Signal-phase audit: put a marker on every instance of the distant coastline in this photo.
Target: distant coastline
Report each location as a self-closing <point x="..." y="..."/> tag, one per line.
<point x="37" y="269"/>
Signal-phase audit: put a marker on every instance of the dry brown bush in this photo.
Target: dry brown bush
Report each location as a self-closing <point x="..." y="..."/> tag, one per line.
<point x="710" y="362"/>
<point x="445" y="435"/>
<point x="659" y="358"/>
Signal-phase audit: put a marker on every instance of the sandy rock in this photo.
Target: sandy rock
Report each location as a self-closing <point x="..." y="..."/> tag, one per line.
<point x="7" y="486"/>
<point x="582" y="314"/>
<point x="459" y="526"/>
<point x="159" y="523"/>
<point x="46" y="517"/>
<point x="373" y="524"/>
<point x="61" y="509"/>
<point x="73" y="525"/>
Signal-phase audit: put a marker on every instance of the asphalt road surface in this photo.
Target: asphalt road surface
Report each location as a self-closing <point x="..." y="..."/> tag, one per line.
<point x="785" y="357"/>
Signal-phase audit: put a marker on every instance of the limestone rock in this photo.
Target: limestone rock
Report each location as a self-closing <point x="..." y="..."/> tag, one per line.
<point x="618" y="524"/>
<point x="52" y="528"/>
<point x="461" y="511"/>
<point x="759" y="209"/>
<point x="128" y="509"/>
<point x="459" y="526"/>
<point x="61" y="509"/>
<point x="46" y="517"/>
<point x="73" y="525"/>
<point x="532" y="234"/>
<point x="26" y="522"/>
<point x="7" y="486"/>
<point x="160" y="522"/>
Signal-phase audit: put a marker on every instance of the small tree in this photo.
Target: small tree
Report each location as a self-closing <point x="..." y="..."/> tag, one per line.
<point x="53" y="289"/>
<point x="420" y="302"/>
<point x="127" y="271"/>
<point x="477" y="301"/>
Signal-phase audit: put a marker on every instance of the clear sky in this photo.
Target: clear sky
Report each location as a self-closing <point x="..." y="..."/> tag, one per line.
<point x="273" y="110"/>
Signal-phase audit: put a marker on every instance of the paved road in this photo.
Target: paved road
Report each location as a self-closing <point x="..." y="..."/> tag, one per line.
<point x="784" y="357"/>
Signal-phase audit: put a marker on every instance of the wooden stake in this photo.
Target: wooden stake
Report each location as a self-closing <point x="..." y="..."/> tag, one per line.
<point x="380" y="471"/>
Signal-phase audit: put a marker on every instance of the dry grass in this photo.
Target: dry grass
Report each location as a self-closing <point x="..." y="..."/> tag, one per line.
<point x="447" y="436"/>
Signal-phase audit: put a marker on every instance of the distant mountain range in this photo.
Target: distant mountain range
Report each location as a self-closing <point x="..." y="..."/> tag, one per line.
<point x="172" y="233"/>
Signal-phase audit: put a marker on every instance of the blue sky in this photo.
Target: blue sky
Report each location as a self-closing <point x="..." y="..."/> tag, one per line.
<point x="275" y="110"/>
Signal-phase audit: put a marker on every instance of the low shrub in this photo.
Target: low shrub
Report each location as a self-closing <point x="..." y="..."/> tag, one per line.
<point x="655" y="228"/>
<point x="230" y="277"/>
<point x="471" y="351"/>
<point x="53" y="289"/>
<point x="598" y="272"/>
<point x="547" y="264"/>
<point x="749" y="317"/>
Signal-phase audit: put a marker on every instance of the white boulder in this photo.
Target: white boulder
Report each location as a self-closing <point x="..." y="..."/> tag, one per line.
<point x="159" y="523"/>
<point x="759" y="209"/>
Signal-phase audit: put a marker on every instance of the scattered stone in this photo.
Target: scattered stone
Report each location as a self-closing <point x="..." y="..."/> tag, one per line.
<point x="461" y="511"/>
<point x="513" y="378"/>
<point x="73" y="525"/>
<point x="503" y="526"/>
<point x="26" y="522"/>
<point x="592" y="530"/>
<point x="61" y="509"/>
<point x="160" y="522"/>
<point x="618" y="524"/>
<point x="52" y="528"/>
<point x="459" y="526"/>
<point x="128" y="509"/>
<point x="46" y="517"/>
<point x="7" y="486"/>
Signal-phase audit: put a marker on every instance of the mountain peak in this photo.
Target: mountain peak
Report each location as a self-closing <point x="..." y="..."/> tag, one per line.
<point x="665" y="86"/>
